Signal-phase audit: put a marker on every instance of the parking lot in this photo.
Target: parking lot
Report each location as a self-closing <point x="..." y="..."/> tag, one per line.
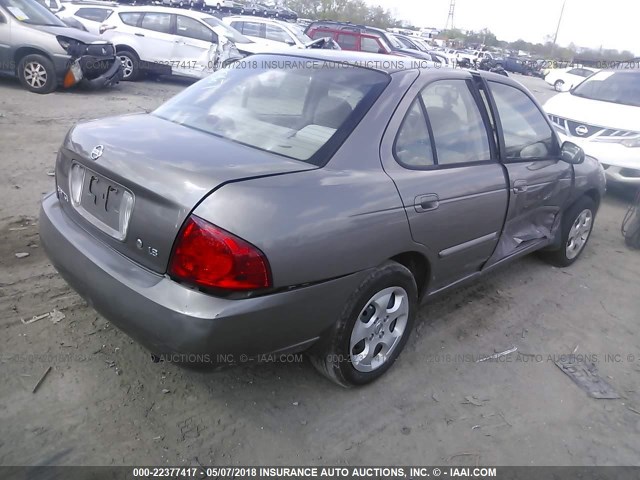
<point x="104" y="402"/>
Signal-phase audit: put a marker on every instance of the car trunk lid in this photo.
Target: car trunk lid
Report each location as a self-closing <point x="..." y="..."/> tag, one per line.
<point x="141" y="176"/>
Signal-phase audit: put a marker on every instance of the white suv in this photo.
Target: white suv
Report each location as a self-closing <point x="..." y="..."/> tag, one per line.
<point x="176" y="42"/>
<point x="258" y="29"/>
<point x="90" y="15"/>
<point x="602" y="115"/>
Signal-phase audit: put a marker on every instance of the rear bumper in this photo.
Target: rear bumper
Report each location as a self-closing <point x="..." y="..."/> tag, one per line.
<point x="168" y="318"/>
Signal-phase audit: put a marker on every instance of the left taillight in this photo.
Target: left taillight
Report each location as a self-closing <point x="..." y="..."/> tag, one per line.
<point x="211" y="257"/>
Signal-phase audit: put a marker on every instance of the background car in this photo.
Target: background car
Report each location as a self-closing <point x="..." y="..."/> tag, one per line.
<point x="602" y="115"/>
<point x="257" y="28"/>
<point x="89" y="14"/>
<point x="564" y="79"/>
<point x="349" y="37"/>
<point x="167" y="41"/>
<point x="56" y="54"/>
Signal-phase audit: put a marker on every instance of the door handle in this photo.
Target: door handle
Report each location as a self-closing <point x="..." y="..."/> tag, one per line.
<point x="425" y="203"/>
<point x="139" y="34"/>
<point x="520" y="186"/>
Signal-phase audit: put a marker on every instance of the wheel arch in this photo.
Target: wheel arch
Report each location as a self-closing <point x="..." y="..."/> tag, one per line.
<point x="123" y="47"/>
<point x="594" y="195"/>
<point x="419" y="267"/>
<point x="22" y="52"/>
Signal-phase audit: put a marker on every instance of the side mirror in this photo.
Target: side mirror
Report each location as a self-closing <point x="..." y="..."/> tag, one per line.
<point x="572" y="153"/>
<point x="290" y="42"/>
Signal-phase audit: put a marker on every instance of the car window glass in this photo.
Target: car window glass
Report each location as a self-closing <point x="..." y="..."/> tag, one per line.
<point x="574" y="71"/>
<point x="277" y="34"/>
<point x="130" y="18"/>
<point x="459" y="132"/>
<point x="368" y="44"/>
<point x="347" y="41"/>
<point x="95" y="14"/>
<point x="292" y="112"/>
<point x="413" y="145"/>
<point x="526" y="132"/>
<point x="158" y="22"/>
<point x="282" y="96"/>
<point x="251" y="28"/>
<point x="188" y="27"/>
<point x="238" y="26"/>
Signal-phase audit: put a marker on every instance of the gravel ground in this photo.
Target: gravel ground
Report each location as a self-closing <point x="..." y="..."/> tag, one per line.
<point x="103" y="402"/>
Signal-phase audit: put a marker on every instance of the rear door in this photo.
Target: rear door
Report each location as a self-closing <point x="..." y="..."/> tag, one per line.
<point x="439" y="151"/>
<point x="539" y="181"/>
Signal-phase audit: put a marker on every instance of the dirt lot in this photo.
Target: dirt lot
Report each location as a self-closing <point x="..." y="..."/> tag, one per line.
<point x="105" y="403"/>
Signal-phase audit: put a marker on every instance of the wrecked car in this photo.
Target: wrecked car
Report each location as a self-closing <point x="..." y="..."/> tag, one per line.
<point x="311" y="203"/>
<point x="166" y="41"/>
<point x="44" y="53"/>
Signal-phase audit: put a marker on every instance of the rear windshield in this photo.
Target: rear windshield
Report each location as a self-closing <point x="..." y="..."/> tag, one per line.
<point x="296" y="107"/>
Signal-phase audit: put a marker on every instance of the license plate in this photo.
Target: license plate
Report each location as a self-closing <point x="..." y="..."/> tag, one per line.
<point x="106" y="204"/>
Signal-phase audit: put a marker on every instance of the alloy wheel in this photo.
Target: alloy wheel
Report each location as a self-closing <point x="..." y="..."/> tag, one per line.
<point x="579" y="234"/>
<point x="35" y="74"/>
<point x="379" y="329"/>
<point x="127" y="66"/>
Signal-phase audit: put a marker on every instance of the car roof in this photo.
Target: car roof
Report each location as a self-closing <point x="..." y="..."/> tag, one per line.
<point x="153" y="8"/>
<point x="94" y="4"/>
<point x="251" y="18"/>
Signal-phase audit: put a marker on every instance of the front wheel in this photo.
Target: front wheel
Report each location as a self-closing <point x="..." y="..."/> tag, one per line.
<point x="558" y="86"/>
<point x="372" y="330"/>
<point x="130" y="65"/>
<point x="575" y="231"/>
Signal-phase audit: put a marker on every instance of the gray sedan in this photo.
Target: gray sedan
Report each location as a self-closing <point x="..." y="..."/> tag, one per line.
<point x="311" y="201"/>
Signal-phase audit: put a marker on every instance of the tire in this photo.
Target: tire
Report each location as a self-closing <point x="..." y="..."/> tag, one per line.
<point x="575" y="231"/>
<point x="130" y="65"/>
<point x="558" y="85"/>
<point x="37" y="74"/>
<point x="347" y="360"/>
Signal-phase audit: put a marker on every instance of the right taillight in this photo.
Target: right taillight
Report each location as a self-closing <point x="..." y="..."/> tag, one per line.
<point x="208" y="256"/>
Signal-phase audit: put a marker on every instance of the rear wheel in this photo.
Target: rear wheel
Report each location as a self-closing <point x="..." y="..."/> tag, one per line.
<point x="575" y="231"/>
<point x="37" y="74"/>
<point x="559" y="85"/>
<point x="373" y="328"/>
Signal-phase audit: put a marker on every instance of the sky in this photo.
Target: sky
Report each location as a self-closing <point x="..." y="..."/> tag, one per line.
<point x="586" y="23"/>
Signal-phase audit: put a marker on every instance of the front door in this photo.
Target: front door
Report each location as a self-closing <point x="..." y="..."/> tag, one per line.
<point x="156" y="42"/>
<point x="442" y="158"/>
<point x="539" y="181"/>
<point x="195" y="48"/>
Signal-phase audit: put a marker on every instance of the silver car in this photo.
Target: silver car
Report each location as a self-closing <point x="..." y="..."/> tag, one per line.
<point x="44" y="53"/>
<point x="310" y="201"/>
